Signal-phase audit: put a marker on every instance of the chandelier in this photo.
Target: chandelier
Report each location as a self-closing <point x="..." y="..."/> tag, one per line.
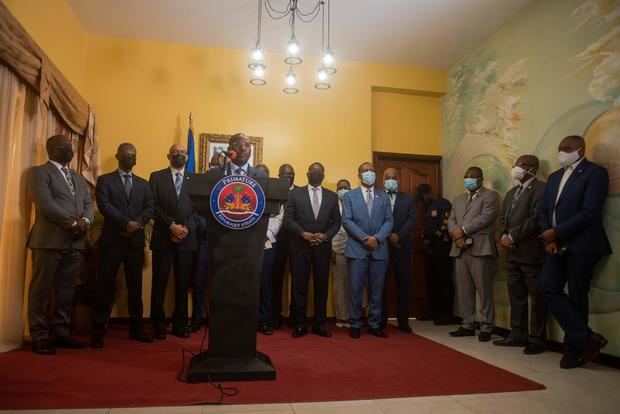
<point x="293" y="50"/>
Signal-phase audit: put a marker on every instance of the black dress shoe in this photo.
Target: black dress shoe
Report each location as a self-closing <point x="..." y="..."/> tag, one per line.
<point x="321" y="331"/>
<point x="265" y="328"/>
<point x="463" y="332"/>
<point x="570" y="361"/>
<point x="593" y="347"/>
<point x="404" y="327"/>
<point x="140" y="336"/>
<point x="377" y="332"/>
<point x="355" y="333"/>
<point x="180" y="331"/>
<point x="96" y="340"/>
<point x="299" y="332"/>
<point x="43" y="347"/>
<point x="533" y="349"/>
<point x="68" y="342"/>
<point x="159" y="333"/>
<point x="508" y="341"/>
<point x="484" y="336"/>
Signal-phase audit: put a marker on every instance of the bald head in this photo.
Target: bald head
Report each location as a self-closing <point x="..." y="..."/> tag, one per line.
<point x="59" y="149"/>
<point x="177" y="155"/>
<point x="528" y="161"/>
<point x="391" y="174"/>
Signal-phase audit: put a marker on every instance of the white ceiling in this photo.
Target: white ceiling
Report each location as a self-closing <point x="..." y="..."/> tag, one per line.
<point x="429" y="33"/>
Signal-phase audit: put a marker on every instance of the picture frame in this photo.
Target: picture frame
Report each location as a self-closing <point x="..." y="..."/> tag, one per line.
<point x="210" y="143"/>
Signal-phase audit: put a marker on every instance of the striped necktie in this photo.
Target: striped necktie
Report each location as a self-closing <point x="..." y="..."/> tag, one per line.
<point x="516" y="196"/>
<point x="369" y="200"/>
<point x="178" y="183"/>
<point x="69" y="179"/>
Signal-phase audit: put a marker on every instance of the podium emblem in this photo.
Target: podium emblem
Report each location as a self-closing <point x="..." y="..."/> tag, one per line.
<point x="237" y="202"/>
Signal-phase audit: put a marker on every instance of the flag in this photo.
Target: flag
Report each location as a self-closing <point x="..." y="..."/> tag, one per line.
<point x="190" y="167"/>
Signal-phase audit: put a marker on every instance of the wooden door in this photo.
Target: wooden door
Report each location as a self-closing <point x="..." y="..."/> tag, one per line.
<point x="414" y="170"/>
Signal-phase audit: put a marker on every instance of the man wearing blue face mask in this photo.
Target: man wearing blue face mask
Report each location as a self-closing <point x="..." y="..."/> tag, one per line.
<point x="400" y="247"/>
<point x="570" y="217"/>
<point x="471" y="224"/>
<point x="368" y="220"/>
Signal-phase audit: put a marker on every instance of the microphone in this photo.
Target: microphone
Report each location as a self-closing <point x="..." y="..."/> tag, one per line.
<point x="232" y="154"/>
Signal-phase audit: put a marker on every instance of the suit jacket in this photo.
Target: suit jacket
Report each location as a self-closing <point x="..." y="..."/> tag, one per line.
<point x="579" y="210"/>
<point x="169" y="209"/>
<point x="478" y="219"/>
<point x="359" y="224"/>
<point x="117" y="209"/>
<point x="404" y="215"/>
<point x="299" y="217"/>
<point x="56" y="208"/>
<point x="521" y="223"/>
<point x="225" y="170"/>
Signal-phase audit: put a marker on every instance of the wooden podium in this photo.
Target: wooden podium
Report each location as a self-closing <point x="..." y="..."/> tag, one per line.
<point x="235" y="263"/>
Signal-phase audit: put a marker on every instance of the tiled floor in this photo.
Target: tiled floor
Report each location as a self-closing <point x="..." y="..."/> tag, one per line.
<point x="589" y="390"/>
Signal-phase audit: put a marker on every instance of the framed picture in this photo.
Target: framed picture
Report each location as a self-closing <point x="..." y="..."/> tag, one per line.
<point x="212" y="144"/>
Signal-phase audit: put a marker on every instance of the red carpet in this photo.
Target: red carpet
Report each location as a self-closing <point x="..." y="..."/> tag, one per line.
<point x="127" y="374"/>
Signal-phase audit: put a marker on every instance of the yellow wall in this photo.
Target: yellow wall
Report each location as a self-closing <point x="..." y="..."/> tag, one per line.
<point x="56" y="29"/>
<point x="405" y="122"/>
<point x="143" y="92"/>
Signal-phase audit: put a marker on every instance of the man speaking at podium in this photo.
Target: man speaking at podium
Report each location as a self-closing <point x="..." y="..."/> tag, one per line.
<point x="239" y="152"/>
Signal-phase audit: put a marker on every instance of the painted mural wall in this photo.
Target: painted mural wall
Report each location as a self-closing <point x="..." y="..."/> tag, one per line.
<point x="552" y="71"/>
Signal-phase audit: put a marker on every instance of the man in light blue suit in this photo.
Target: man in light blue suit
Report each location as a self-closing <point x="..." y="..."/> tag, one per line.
<point x="367" y="218"/>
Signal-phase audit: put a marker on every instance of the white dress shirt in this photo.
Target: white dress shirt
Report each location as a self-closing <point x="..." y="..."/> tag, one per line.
<point x="319" y="193"/>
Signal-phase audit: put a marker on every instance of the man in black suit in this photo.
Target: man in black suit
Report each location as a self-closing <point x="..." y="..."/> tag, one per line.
<point x="126" y="203"/>
<point x="525" y="253"/>
<point x="313" y="218"/>
<point x="238" y="164"/>
<point x="571" y="220"/>
<point x="282" y="255"/>
<point x="64" y="212"/>
<point x="400" y="247"/>
<point x="174" y="242"/>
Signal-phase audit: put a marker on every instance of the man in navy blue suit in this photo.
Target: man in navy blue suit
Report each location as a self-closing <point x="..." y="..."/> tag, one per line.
<point x="570" y="217"/>
<point x="367" y="218"/>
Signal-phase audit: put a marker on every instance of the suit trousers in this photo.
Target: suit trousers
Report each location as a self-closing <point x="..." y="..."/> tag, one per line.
<point x="570" y="311"/>
<point x="439" y="275"/>
<point x="341" y="287"/>
<point x="264" y="306"/>
<point x="361" y="272"/>
<point x="54" y="273"/>
<point x="401" y="268"/>
<point x="282" y="258"/>
<point x="163" y="260"/>
<point x="315" y="261"/>
<point x="474" y="274"/>
<point x="111" y="258"/>
<point x="200" y="282"/>
<point x="523" y="282"/>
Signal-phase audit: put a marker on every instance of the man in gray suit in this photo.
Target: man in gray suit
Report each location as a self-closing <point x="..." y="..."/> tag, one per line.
<point x="64" y="212"/>
<point x="525" y="254"/>
<point x="471" y="225"/>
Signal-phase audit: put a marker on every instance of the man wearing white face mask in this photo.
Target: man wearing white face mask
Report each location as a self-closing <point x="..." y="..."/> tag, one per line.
<point x="368" y="220"/>
<point x="570" y="217"/>
<point x="525" y="253"/>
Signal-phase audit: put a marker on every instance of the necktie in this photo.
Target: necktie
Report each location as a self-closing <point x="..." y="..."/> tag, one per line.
<point x="69" y="180"/>
<point x="369" y="201"/>
<point x="315" y="202"/>
<point x="178" y="183"/>
<point x="516" y="196"/>
<point x="239" y="171"/>
<point x="127" y="184"/>
<point x="392" y="200"/>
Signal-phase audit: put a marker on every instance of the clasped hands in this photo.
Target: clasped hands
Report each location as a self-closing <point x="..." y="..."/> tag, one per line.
<point x="132" y="227"/>
<point x="314" y="238"/>
<point x="459" y="238"/>
<point x="79" y="229"/>
<point x="549" y="239"/>
<point x="178" y="232"/>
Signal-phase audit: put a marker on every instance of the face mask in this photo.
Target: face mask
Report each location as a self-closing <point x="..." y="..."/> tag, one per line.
<point x="315" y="178"/>
<point x="567" y="158"/>
<point x="127" y="163"/>
<point x="368" y="177"/>
<point x="65" y="156"/>
<point x="517" y="173"/>
<point x="341" y="193"/>
<point x="390" y="185"/>
<point x="177" y="160"/>
<point x="471" y="183"/>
